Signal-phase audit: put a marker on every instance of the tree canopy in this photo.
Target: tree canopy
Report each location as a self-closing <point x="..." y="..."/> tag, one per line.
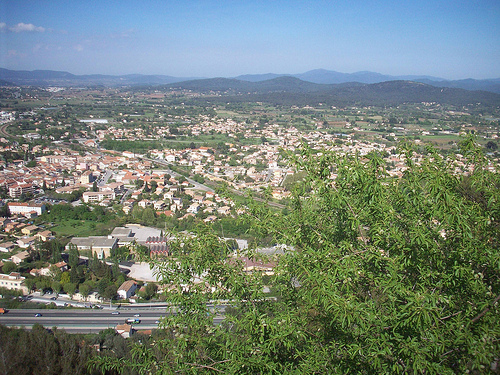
<point x="383" y="275"/>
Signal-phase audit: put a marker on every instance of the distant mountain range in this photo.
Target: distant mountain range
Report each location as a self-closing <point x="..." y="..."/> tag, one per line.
<point x="340" y="89"/>
<point x="293" y="91"/>
<point x="318" y="76"/>
<point x="57" y="78"/>
<point x="330" y="77"/>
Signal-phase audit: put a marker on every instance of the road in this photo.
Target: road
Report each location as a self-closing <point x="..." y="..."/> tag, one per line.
<point x="196" y="185"/>
<point x="84" y="320"/>
<point x="104" y="179"/>
<point x="206" y="188"/>
<point x="3" y="129"/>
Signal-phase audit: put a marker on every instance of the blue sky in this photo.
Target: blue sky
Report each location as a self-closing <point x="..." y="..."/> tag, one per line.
<point x="452" y="39"/>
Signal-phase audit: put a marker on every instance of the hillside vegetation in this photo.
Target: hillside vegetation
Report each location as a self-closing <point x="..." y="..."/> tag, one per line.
<point x="382" y="276"/>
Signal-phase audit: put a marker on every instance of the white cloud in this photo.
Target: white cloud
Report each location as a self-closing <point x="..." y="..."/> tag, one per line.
<point x="29" y="27"/>
<point x="3" y="26"/>
<point x="78" y="47"/>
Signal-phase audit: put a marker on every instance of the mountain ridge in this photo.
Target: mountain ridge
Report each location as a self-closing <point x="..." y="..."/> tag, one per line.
<point x="292" y="90"/>
<point x="318" y="76"/>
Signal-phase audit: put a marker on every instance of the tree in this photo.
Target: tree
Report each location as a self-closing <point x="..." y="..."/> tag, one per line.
<point x="65" y="278"/>
<point x="40" y="350"/>
<point x="73" y="256"/>
<point x="148" y="216"/>
<point x="382" y="275"/>
<point x="56" y="287"/>
<point x="110" y="292"/>
<point x="94" y="186"/>
<point x="84" y="290"/>
<point x="150" y="291"/>
<point x="9" y="267"/>
<point x="70" y="288"/>
<point x="30" y="284"/>
<point x="102" y="285"/>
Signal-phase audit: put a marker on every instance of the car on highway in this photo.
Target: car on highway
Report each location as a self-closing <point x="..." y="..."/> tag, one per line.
<point x="115" y="313"/>
<point x="53" y="298"/>
<point x="37" y="315"/>
<point x="137" y="315"/>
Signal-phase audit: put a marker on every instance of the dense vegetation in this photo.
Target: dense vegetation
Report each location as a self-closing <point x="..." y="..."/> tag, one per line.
<point x="41" y="351"/>
<point x="385" y="276"/>
<point x="292" y="91"/>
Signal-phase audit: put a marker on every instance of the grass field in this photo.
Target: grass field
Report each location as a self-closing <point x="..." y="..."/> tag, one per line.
<point x="440" y="140"/>
<point x="80" y="228"/>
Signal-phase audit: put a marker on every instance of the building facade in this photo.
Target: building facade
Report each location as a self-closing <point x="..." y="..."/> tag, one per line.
<point x="13" y="281"/>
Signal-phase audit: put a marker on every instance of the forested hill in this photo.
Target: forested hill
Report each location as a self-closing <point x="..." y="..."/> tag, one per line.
<point x="290" y="90"/>
<point x="284" y="89"/>
<point x="318" y="76"/>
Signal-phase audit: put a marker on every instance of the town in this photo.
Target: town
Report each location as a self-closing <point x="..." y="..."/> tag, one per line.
<point x="94" y="182"/>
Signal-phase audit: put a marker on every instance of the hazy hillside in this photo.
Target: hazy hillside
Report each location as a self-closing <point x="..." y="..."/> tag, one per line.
<point x="331" y="77"/>
<point x="56" y="78"/>
<point x="290" y="90"/>
<point x="317" y="76"/>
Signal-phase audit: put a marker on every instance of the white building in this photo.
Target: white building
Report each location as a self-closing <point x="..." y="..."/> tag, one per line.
<point x="25" y="208"/>
<point x="13" y="281"/>
<point x="97" y="196"/>
<point x="127" y="289"/>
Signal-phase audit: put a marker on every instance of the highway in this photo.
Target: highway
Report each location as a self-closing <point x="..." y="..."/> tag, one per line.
<point x="164" y="163"/>
<point x="84" y="320"/>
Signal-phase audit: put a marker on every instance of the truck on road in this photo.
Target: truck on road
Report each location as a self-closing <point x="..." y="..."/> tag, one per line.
<point x="132" y="321"/>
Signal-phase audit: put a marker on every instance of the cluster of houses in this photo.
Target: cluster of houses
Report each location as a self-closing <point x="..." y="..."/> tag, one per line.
<point x="22" y="230"/>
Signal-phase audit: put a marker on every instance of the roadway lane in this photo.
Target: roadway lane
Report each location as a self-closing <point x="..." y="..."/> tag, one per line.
<point x="83" y="320"/>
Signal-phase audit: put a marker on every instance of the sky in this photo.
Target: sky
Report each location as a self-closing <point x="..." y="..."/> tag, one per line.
<point x="451" y="39"/>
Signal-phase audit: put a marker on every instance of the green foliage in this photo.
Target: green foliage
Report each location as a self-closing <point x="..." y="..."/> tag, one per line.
<point x="70" y="288"/>
<point x="81" y="220"/>
<point x="110" y="291"/>
<point x="73" y="256"/>
<point x="121" y="253"/>
<point x="9" y="267"/>
<point x="385" y="276"/>
<point x="71" y="197"/>
<point x="56" y="287"/>
<point x="39" y="351"/>
<point x="4" y="292"/>
<point x="131" y="146"/>
<point x="149" y="292"/>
